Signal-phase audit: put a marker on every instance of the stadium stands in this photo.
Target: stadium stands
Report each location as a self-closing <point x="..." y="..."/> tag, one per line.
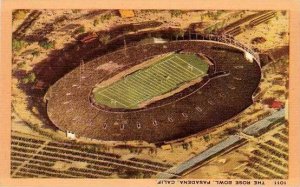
<point x="153" y="123"/>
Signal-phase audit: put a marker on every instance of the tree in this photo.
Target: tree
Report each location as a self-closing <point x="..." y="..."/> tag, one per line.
<point x="206" y="137"/>
<point x="104" y="39"/>
<point x="21" y="65"/>
<point x="81" y="29"/>
<point x="35" y="53"/>
<point x="17" y="45"/>
<point x="47" y="44"/>
<point x="175" y="13"/>
<point x="76" y="11"/>
<point x="19" y="14"/>
<point x="105" y="17"/>
<point x="96" y="22"/>
<point x="30" y="78"/>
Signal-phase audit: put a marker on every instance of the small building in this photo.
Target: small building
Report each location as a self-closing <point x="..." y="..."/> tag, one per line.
<point x="277" y="105"/>
<point x="71" y="135"/>
<point x="126" y="13"/>
<point x="89" y="37"/>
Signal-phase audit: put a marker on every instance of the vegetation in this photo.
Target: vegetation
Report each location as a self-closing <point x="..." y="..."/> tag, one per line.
<point x="47" y="44"/>
<point x="98" y="164"/>
<point x="150" y="11"/>
<point x="96" y="22"/>
<point x="185" y="66"/>
<point x="21" y="65"/>
<point x="104" y="39"/>
<point x="81" y="29"/>
<point x="19" y="14"/>
<point x="105" y="17"/>
<point x="206" y="138"/>
<point x="30" y="78"/>
<point x="36" y="53"/>
<point x="76" y="11"/>
<point x="179" y="33"/>
<point x="17" y="45"/>
<point x="175" y="13"/>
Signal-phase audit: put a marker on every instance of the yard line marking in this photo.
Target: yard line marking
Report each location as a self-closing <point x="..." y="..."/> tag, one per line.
<point x="171" y="82"/>
<point x="147" y="76"/>
<point x="110" y="97"/>
<point x="147" y="93"/>
<point x="135" y="92"/>
<point x="186" y="69"/>
<point x="162" y="74"/>
<point x="123" y="86"/>
<point x="188" y="63"/>
<point x="144" y="87"/>
<point x="118" y="93"/>
<point x="182" y="69"/>
<point x="172" y="72"/>
<point x="131" y="84"/>
<point x="114" y="99"/>
<point x="177" y="72"/>
<point x="153" y="82"/>
<point x="116" y="84"/>
<point x="179" y="68"/>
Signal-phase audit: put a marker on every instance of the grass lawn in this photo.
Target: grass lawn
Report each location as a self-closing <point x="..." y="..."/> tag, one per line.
<point x="163" y="76"/>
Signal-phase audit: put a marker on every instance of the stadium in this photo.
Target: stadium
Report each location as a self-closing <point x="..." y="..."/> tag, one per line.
<point x="156" y="92"/>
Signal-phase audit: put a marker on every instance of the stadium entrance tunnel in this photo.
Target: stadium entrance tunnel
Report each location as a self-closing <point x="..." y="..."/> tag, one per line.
<point x="155" y="79"/>
<point x="139" y="74"/>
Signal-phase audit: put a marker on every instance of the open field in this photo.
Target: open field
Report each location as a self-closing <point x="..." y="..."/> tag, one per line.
<point x="165" y="75"/>
<point x="38" y="157"/>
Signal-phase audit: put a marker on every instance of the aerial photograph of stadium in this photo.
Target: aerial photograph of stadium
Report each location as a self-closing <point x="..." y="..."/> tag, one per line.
<point x="156" y="94"/>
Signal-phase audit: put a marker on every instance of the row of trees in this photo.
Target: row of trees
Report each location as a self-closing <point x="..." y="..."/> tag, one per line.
<point x="102" y="19"/>
<point x="17" y="45"/>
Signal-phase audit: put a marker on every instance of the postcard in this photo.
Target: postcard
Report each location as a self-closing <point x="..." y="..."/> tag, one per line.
<point x="150" y="93"/>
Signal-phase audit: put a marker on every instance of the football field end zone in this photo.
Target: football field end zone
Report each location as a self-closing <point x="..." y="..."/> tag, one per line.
<point x="171" y="71"/>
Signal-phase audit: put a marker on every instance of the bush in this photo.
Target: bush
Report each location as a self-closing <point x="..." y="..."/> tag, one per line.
<point x="47" y="44"/>
<point x="80" y="30"/>
<point x="96" y="22"/>
<point x="76" y="11"/>
<point x="175" y="13"/>
<point x="35" y="53"/>
<point x="29" y="79"/>
<point x="21" y="65"/>
<point x="105" y="17"/>
<point x="19" y="14"/>
<point x="17" y="45"/>
<point x="206" y="138"/>
<point x="104" y="39"/>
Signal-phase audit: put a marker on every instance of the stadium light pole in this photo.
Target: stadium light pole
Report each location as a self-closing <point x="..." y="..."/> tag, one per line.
<point x="125" y="46"/>
<point x="81" y="68"/>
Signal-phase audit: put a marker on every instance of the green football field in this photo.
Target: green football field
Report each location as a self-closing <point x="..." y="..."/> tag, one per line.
<point x="161" y="77"/>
